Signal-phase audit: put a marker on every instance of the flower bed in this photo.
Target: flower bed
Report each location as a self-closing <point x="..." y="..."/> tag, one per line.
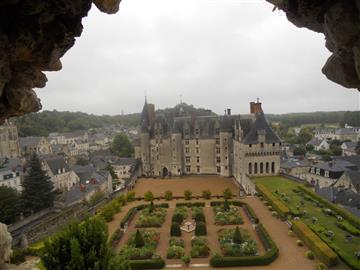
<point x="176" y="248"/>
<point x="151" y="217"/>
<point x="227" y="215"/>
<point x="199" y="247"/>
<point x="233" y="246"/>
<point x="132" y="251"/>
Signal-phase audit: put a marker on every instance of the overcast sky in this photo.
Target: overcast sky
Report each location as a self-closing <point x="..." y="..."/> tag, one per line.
<point x="214" y="53"/>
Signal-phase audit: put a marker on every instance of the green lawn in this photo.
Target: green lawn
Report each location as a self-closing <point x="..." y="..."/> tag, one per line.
<point x="344" y="248"/>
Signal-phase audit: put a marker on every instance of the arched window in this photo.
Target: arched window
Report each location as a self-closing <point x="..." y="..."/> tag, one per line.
<point x="255" y="168"/>
<point x="267" y="167"/>
<point x="250" y="168"/>
<point x="261" y="167"/>
<point x="272" y="167"/>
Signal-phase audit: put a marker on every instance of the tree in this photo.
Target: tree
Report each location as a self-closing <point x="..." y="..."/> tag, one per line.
<point x="111" y="170"/>
<point x="336" y="150"/>
<point x="309" y="147"/>
<point x="300" y="151"/>
<point x="37" y="191"/>
<point x="227" y="193"/>
<point x="188" y="194"/>
<point x="139" y="240"/>
<point x="148" y="196"/>
<point x="357" y="148"/>
<point x="151" y="206"/>
<point x="305" y="135"/>
<point x="80" y="246"/>
<point x="168" y="195"/>
<point x="206" y="194"/>
<point x="122" y="146"/>
<point x="237" y="238"/>
<point x="175" y="229"/>
<point x="9" y="199"/>
<point x="226" y="205"/>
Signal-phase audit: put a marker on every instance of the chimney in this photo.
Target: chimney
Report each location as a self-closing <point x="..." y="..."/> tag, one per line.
<point x="255" y="107"/>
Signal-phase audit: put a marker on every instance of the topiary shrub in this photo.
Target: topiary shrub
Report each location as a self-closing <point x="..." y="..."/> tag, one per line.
<point x="148" y="196"/>
<point x="227" y="193"/>
<point x="177" y="218"/>
<point x="206" y="194"/>
<point x="130" y="196"/>
<point x="139" y="240"/>
<point x="200" y="229"/>
<point x="188" y="194"/>
<point x="310" y="255"/>
<point x="321" y="266"/>
<point x="175" y="229"/>
<point x="290" y="233"/>
<point x="168" y="195"/>
<point x="299" y="243"/>
<point x="237" y="238"/>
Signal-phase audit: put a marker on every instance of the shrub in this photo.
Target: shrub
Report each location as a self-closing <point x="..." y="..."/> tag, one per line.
<point x="198" y="214"/>
<point x="227" y="193"/>
<point x="179" y="215"/>
<point x="157" y="263"/>
<point x="148" y="196"/>
<point x="116" y="237"/>
<point x="139" y="240"/>
<point x="199" y="247"/>
<point x="348" y="228"/>
<point x="151" y="217"/>
<point x="188" y="194"/>
<point x="128" y="217"/>
<point x="251" y="214"/>
<point x="290" y="233"/>
<point x="299" y="243"/>
<point x="174" y="241"/>
<point x="130" y="196"/>
<point x="325" y="254"/>
<point x="200" y="229"/>
<point x="175" y="229"/>
<point x="17" y="256"/>
<point x="175" y="252"/>
<point x="310" y="255"/>
<point x="168" y="195"/>
<point x="321" y="266"/>
<point x="186" y="259"/>
<point x="206" y="194"/>
<point x="277" y="205"/>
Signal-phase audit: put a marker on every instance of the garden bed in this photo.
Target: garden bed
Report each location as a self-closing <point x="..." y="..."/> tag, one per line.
<point x="176" y="248"/>
<point x="199" y="247"/>
<point x="227" y="214"/>
<point x="236" y="243"/>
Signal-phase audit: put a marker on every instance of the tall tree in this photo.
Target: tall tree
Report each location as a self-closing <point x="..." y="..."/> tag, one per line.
<point x="37" y="193"/>
<point x="122" y="146"/>
<point x="357" y="148"/>
<point x="9" y="199"/>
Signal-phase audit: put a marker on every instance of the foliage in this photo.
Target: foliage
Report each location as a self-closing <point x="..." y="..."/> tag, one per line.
<point x="251" y="214"/>
<point x="109" y="210"/>
<point x="151" y="217"/>
<point x="321" y="266"/>
<point x="168" y="195"/>
<point x="206" y="194"/>
<point x="198" y="214"/>
<point x="310" y="255"/>
<point x="9" y="199"/>
<point x="134" y="251"/>
<point x="111" y="170"/>
<point x="227" y="193"/>
<point x="190" y="204"/>
<point x="175" y="229"/>
<point x="187" y="194"/>
<point x="230" y="217"/>
<point x="226" y="205"/>
<point x="122" y="146"/>
<point x="186" y="259"/>
<point x="96" y="198"/>
<point x="200" y="229"/>
<point x="315" y="243"/>
<point x="299" y="243"/>
<point x="79" y="246"/>
<point x="282" y="209"/>
<point x="300" y="151"/>
<point x="237" y="238"/>
<point x="148" y="196"/>
<point x="174" y="241"/>
<point x="176" y="248"/>
<point x="155" y="263"/>
<point x="37" y="191"/>
<point x="130" y="196"/>
<point x="234" y="243"/>
<point x="199" y="247"/>
<point x="180" y="213"/>
<point x="139" y="240"/>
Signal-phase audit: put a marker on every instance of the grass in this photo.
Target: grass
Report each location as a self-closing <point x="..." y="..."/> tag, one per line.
<point x="344" y="248"/>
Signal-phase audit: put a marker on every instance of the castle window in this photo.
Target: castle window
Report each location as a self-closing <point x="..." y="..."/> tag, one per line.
<point x="267" y="167"/>
<point x="186" y="141"/>
<point x="217" y="131"/>
<point x="218" y="169"/>
<point x="326" y="174"/>
<point x="225" y="140"/>
<point x="262" y="145"/>
<point x="197" y="150"/>
<point x="218" y="160"/>
<point x="217" y="150"/>
<point x="198" y="169"/>
<point x="250" y="168"/>
<point x="226" y="167"/>
<point x="197" y="141"/>
<point x="186" y="149"/>
<point x="273" y="144"/>
<point x="255" y="168"/>
<point x="187" y="159"/>
<point x="197" y="131"/>
<point x="250" y="145"/>
<point x="279" y="144"/>
<point x="272" y="167"/>
<point x="226" y="157"/>
<point x="217" y="141"/>
<point x="197" y="159"/>
<point x="261" y="167"/>
<point x="188" y="168"/>
<point x="187" y="131"/>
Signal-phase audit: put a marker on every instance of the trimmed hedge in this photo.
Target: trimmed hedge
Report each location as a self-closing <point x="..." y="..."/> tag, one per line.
<point x="190" y="204"/>
<point x="116" y="237"/>
<point x="200" y="229"/>
<point x="271" y="254"/>
<point x="352" y="219"/>
<point x="147" y="264"/>
<point x="320" y="248"/>
<point x="175" y="229"/>
<point x="235" y="203"/>
<point x="250" y="213"/>
<point x="281" y="208"/>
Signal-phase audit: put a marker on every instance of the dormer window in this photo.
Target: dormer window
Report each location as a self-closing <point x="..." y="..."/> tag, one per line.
<point x="250" y="145"/>
<point x="262" y="145"/>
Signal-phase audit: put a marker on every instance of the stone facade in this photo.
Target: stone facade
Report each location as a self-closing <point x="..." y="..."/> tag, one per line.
<point x="179" y="142"/>
<point x="35" y="145"/>
<point x="9" y="141"/>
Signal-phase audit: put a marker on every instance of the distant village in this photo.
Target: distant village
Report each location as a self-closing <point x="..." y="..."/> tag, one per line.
<point x="336" y="179"/>
<point x="77" y="162"/>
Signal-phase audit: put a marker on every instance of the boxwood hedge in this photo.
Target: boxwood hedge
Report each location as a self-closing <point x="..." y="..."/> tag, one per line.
<point x="277" y="205"/>
<point x="157" y="263"/>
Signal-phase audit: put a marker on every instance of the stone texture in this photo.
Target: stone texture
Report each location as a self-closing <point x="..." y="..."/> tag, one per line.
<point x="34" y="35"/>
<point x="339" y="21"/>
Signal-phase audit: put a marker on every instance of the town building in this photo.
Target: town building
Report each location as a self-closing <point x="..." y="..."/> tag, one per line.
<point x="348" y="148"/>
<point x="319" y="144"/>
<point x="179" y="142"/>
<point x="123" y="167"/>
<point x="9" y="140"/>
<point x="296" y="167"/>
<point x="10" y="178"/>
<point x="35" y="145"/>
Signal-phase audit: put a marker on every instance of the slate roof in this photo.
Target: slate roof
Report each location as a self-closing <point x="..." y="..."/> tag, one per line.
<point x="345" y="131"/>
<point x="350" y="145"/>
<point x="336" y="165"/>
<point x="125" y="161"/>
<point x="56" y="163"/>
<point x="315" y="141"/>
<point x="294" y="163"/>
<point x="351" y="159"/>
<point x="29" y="141"/>
<point x="87" y="173"/>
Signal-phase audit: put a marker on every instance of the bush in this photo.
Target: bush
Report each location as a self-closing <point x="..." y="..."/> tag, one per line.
<point x="200" y="229"/>
<point x="299" y="243"/>
<point x="186" y="259"/>
<point x="310" y="255"/>
<point x="251" y="214"/>
<point x="321" y="266"/>
<point x="148" y="196"/>
<point x="175" y="252"/>
<point x="198" y="214"/>
<point x="325" y="254"/>
<point x="227" y="194"/>
<point x="290" y="233"/>
<point x="130" y="196"/>
<point x="199" y="247"/>
<point x="157" y="263"/>
<point x="179" y="215"/>
<point x="168" y="195"/>
<point x="128" y="217"/>
<point x="109" y="210"/>
<point x="191" y="204"/>
<point x="348" y="228"/>
<point x="206" y="194"/>
<point x="188" y="194"/>
<point x="277" y="205"/>
<point x="175" y="229"/>
<point x="18" y="256"/>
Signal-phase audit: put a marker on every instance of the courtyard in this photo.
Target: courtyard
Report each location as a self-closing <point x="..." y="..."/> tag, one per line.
<point x="290" y="255"/>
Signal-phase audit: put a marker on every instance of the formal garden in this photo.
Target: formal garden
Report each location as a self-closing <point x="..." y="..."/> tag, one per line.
<point x="316" y="221"/>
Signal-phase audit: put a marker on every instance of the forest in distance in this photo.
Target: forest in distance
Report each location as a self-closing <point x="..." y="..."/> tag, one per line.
<point x="45" y="122"/>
